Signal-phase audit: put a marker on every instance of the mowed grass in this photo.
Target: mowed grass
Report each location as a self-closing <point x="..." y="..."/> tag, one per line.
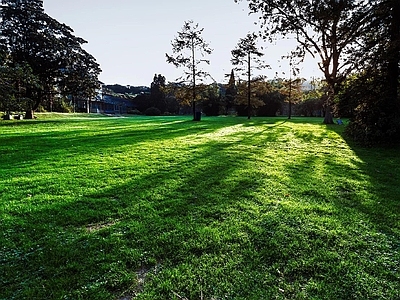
<point x="166" y="208"/>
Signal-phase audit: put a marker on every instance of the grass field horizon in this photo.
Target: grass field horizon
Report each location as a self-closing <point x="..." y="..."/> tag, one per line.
<point x="96" y="207"/>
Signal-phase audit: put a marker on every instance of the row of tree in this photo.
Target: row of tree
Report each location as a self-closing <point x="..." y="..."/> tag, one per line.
<point x="41" y="59"/>
<point x="267" y="97"/>
<point x="357" y="42"/>
<point x="189" y="51"/>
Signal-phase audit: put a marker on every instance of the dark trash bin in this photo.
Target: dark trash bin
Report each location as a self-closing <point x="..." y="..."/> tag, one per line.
<point x="197" y="116"/>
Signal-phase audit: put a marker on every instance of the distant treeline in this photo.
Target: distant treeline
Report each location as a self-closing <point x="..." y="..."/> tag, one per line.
<point x="122" y="89"/>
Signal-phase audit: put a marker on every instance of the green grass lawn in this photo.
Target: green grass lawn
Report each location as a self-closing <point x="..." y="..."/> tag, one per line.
<point x="166" y="208"/>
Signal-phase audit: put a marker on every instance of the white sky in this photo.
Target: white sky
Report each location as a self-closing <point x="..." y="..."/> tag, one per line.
<point x="129" y="38"/>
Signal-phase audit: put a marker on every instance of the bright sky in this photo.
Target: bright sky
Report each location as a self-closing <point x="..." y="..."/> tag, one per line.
<point x="129" y="38"/>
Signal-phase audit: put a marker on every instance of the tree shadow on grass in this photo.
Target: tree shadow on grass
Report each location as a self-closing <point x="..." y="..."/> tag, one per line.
<point x="343" y="217"/>
<point x="84" y="137"/>
<point x="210" y="219"/>
<point x="68" y="246"/>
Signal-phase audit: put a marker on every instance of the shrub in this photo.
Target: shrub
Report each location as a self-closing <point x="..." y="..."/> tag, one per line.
<point x="152" y="111"/>
<point x="374" y="119"/>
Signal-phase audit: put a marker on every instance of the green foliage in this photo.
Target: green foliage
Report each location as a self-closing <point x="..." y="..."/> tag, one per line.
<point x="15" y="84"/>
<point x="63" y="106"/>
<point x="372" y="96"/>
<point x="247" y="51"/>
<point x="180" y="96"/>
<point x="348" y="36"/>
<point x="272" y="104"/>
<point x="123" y="89"/>
<point x="135" y="112"/>
<point x="312" y="104"/>
<point x="157" y="94"/>
<point x="142" y="102"/>
<point x="310" y="108"/>
<point x="189" y="38"/>
<point x="374" y="116"/>
<point x="152" y="208"/>
<point x="54" y="55"/>
<point x="231" y="92"/>
<point x="212" y="103"/>
<point x="330" y="30"/>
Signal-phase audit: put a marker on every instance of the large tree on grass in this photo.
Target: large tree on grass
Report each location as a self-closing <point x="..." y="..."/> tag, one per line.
<point x="247" y="56"/>
<point x="329" y="29"/>
<point x="189" y="51"/>
<point x="31" y="37"/>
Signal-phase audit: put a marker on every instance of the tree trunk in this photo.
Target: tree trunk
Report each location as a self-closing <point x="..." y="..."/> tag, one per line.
<point x="328" y="105"/>
<point x="328" y="115"/>
<point x="290" y="99"/>
<point x="393" y="60"/>
<point x="29" y="114"/>
<point x="194" y="103"/>
<point x="30" y="110"/>
<point x="194" y="82"/>
<point x="248" y="87"/>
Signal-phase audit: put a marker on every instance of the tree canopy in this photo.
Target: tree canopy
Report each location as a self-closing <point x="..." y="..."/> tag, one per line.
<point x="327" y="28"/>
<point x="358" y="44"/>
<point x="54" y="55"/>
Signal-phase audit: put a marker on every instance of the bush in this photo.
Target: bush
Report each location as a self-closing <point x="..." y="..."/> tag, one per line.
<point x="272" y="104"/>
<point x="152" y="111"/>
<point x="63" y="106"/>
<point x="374" y="126"/>
<point x="375" y="119"/>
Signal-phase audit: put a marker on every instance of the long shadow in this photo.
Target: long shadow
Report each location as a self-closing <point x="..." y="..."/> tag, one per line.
<point x="381" y="166"/>
<point x="378" y="168"/>
<point x="359" y="194"/>
<point x="140" y="208"/>
<point x="339" y="198"/>
<point x="80" y="139"/>
<point x="76" y="140"/>
<point x="80" y="228"/>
